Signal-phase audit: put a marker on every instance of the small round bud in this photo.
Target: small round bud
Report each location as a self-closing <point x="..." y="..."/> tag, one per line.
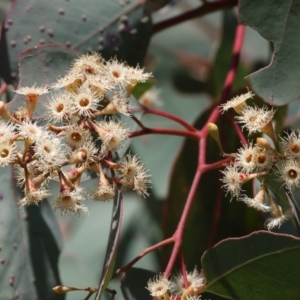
<point x="61" y="289"/>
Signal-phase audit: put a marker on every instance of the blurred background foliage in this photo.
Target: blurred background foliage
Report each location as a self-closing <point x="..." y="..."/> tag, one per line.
<point x="189" y="62"/>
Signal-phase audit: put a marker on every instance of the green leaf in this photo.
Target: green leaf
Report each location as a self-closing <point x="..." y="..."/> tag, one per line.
<point x="110" y="27"/>
<point x="142" y="87"/>
<point x="278" y="22"/>
<point x="260" y="266"/>
<point x="185" y="82"/>
<point x="30" y="245"/>
<point x="134" y="282"/>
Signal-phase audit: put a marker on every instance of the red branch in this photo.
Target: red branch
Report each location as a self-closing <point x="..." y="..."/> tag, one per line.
<point x="167" y="115"/>
<point x="202" y="167"/>
<point x="204" y="9"/>
<point x="167" y="131"/>
<point x="3" y="88"/>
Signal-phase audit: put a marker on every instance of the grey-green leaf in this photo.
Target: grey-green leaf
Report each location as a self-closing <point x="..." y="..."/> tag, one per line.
<point x="112" y="27"/>
<point x="41" y="66"/>
<point x="278" y="22"/>
<point x="30" y="245"/>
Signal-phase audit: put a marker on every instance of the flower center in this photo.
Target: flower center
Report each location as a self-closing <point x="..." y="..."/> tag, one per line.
<point x="76" y="136"/>
<point x="66" y="199"/>
<point x="261" y="159"/>
<point x="59" y="107"/>
<point x="116" y="74"/>
<point x="292" y="173"/>
<point x="4" y="153"/>
<point x="89" y="70"/>
<point x="47" y="149"/>
<point x="248" y="158"/>
<point x="295" y="148"/>
<point x="84" y="102"/>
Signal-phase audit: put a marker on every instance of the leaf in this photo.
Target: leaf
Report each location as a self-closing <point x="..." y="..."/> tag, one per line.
<point x="133" y="284"/>
<point x="278" y="83"/>
<point x="111" y="250"/>
<point x="45" y="64"/>
<point x="142" y="87"/>
<point x="97" y="26"/>
<point x="30" y="245"/>
<point x="153" y="5"/>
<point x="260" y="266"/>
<point x="4" y="5"/>
<point x="186" y="83"/>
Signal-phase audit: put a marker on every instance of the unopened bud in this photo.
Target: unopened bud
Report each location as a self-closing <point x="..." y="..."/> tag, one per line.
<point x="269" y="131"/>
<point x="276" y="209"/>
<point x="263" y="143"/>
<point x="61" y="289"/>
<point x="213" y="131"/>
<point x="260" y="196"/>
<point x="4" y="112"/>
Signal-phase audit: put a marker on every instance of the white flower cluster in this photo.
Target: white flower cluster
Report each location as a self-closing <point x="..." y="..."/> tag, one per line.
<point x="164" y="289"/>
<point x="77" y="138"/>
<point x="259" y="160"/>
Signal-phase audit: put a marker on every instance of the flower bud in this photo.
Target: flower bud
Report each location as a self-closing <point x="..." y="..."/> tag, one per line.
<point x="213" y="131"/>
<point x="61" y="289"/>
<point x="263" y="143"/>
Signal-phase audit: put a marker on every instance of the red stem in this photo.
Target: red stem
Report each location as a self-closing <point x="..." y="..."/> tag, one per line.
<point x="167" y="131"/>
<point x="238" y="43"/>
<point x="216" y="217"/>
<point x="167" y="115"/>
<point x="183" y="271"/>
<point x="204" y="9"/>
<point x="3" y="88"/>
<point x="179" y="231"/>
<point x="202" y="167"/>
<point x="238" y="131"/>
<point x="235" y="57"/>
<point x="215" y="165"/>
<point x="142" y="254"/>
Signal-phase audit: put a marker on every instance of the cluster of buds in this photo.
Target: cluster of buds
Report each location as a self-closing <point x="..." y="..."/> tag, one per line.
<point x="261" y="158"/>
<point x="82" y="135"/>
<point x="164" y="289"/>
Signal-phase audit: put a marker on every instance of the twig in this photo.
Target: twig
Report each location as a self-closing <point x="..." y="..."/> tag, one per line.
<point x="3" y="88"/>
<point x="167" y="131"/>
<point x="204" y="9"/>
<point x="167" y="115"/>
<point x="142" y="254"/>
